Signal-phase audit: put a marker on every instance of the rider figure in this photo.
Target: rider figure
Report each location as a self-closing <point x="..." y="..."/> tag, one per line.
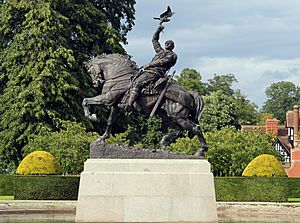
<point x="163" y="60"/>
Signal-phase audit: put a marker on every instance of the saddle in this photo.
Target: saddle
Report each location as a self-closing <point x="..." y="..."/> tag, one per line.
<point x="154" y="88"/>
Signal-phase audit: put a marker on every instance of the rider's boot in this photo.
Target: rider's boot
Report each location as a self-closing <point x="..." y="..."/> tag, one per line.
<point x="134" y="93"/>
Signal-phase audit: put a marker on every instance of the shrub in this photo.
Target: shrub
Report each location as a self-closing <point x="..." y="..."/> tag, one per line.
<point x="185" y="145"/>
<point x="38" y="163"/>
<point x="229" y="150"/>
<point x="70" y="145"/>
<point x="264" y="165"/>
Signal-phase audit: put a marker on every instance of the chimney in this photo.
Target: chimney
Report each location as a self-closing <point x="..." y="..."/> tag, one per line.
<point x="272" y="126"/>
<point x="294" y="170"/>
<point x="296" y="121"/>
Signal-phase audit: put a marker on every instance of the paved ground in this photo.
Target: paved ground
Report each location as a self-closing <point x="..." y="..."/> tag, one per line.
<point x="241" y="211"/>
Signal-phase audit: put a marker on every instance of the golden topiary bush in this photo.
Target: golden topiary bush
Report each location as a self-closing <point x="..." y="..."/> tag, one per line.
<point x="264" y="165"/>
<point x="38" y="163"/>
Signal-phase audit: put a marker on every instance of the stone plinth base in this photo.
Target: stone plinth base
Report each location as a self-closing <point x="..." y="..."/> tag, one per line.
<point x="146" y="190"/>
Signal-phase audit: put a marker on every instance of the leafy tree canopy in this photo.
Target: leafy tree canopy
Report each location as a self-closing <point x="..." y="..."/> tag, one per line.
<point x="42" y="47"/>
<point x="190" y="79"/>
<point x="223" y="106"/>
<point x="281" y="97"/>
<point x="222" y="83"/>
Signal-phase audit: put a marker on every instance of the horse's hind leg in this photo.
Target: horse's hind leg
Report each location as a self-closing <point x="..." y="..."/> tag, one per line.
<point x="195" y="129"/>
<point x="168" y="138"/>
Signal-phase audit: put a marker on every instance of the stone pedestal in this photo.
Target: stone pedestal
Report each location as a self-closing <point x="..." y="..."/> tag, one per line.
<point x="146" y="190"/>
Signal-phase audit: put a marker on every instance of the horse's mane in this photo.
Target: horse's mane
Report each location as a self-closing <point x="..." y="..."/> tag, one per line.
<point x="116" y="64"/>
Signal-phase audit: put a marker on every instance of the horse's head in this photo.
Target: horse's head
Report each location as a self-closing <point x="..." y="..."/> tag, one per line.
<point x="110" y="66"/>
<point x="95" y="71"/>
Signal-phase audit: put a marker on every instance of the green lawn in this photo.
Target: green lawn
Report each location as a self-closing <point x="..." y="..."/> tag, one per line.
<point x="6" y="197"/>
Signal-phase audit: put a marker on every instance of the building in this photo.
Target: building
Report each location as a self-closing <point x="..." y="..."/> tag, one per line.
<point x="287" y="141"/>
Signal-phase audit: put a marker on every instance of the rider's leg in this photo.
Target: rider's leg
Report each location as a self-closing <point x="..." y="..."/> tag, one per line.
<point x="134" y="93"/>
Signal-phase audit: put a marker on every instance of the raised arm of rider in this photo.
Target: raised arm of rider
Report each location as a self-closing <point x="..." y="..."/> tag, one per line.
<point x="156" y="45"/>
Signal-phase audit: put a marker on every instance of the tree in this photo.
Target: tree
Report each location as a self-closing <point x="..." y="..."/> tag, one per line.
<point x="219" y="111"/>
<point x="223" y="105"/>
<point x="246" y="111"/>
<point x="281" y="97"/>
<point x="191" y="80"/>
<point x="221" y="83"/>
<point x="42" y="47"/>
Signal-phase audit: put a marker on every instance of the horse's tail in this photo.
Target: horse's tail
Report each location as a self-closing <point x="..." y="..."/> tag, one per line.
<point x="197" y="108"/>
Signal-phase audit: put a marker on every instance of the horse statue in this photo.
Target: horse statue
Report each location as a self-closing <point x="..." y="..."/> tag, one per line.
<point x="179" y="109"/>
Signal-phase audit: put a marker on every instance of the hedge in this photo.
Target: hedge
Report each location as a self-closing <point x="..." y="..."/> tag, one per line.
<point x="242" y="189"/>
<point x="257" y="189"/>
<point x="40" y="187"/>
<point x="7" y="185"/>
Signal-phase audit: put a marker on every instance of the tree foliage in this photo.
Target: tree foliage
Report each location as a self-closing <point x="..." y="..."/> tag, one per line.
<point x="223" y="106"/>
<point x="142" y="132"/>
<point x="190" y="79"/>
<point x="219" y="112"/>
<point x="281" y="97"/>
<point x="69" y="145"/>
<point x="222" y="83"/>
<point x="42" y="47"/>
<point x="230" y="150"/>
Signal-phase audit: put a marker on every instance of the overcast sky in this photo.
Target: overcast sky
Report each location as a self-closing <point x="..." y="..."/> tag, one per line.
<point x="257" y="40"/>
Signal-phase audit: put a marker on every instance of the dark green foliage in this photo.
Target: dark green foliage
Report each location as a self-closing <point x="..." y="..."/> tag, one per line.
<point x="236" y="189"/>
<point x="142" y="132"/>
<point x="46" y="187"/>
<point x="281" y="97"/>
<point x="191" y="80"/>
<point x="222" y="83"/>
<point x="256" y="189"/>
<point x="42" y="47"/>
<point x="219" y="111"/>
<point x="69" y="145"/>
<point x="6" y="185"/>
<point x="223" y="106"/>
<point x="230" y="150"/>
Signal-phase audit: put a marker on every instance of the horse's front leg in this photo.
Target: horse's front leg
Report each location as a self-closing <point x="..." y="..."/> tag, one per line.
<point x="86" y="109"/>
<point x="98" y="100"/>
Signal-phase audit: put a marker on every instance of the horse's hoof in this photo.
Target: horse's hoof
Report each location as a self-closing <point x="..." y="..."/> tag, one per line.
<point x="200" y="152"/>
<point x="93" y="117"/>
<point x="99" y="141"/>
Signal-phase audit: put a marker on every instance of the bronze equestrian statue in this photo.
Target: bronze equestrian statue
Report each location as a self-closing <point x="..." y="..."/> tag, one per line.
<point x="125" y="87"/>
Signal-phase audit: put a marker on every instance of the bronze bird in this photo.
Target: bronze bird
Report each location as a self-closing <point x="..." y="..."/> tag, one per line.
<point x="165" y="16"/>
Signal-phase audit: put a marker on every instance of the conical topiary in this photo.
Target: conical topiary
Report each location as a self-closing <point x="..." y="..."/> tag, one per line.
<point x="264" y="165"/>
<point x="38" y="163"/>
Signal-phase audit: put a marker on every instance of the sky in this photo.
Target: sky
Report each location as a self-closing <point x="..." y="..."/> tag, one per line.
<point x="257" y="41"/>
